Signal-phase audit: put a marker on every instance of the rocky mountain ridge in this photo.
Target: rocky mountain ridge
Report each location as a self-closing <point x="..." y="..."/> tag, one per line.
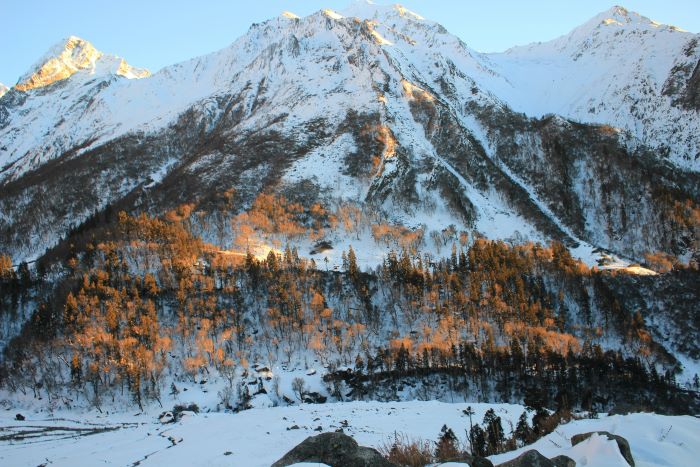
<point x="379" y="95"/>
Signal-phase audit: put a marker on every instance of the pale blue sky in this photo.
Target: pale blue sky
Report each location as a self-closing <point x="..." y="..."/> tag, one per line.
<point x="156" y="33"/>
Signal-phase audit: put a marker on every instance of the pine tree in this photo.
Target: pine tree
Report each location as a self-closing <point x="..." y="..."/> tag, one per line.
<point x="446" y="447"/>
<point x="516" y="355"/>
<point x="469" y="412"/>
<point x="272" y="261"/>
<point x="401" y="362"/>
<point x="494" y="431"/>
<point x="352" y="263"/>
<point x="539" y="422"/>
<point x="478" y="441"/>
<point x="523" y="431"/>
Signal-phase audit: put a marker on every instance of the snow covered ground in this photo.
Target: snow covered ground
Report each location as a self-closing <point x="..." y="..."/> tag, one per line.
<point x="258" y="437"/>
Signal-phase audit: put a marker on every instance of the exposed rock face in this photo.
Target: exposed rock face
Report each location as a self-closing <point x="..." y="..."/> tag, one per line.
<point x="622" y="443"/>
<point x="334" y="449"/>
<point x="690" y="98"/>
<point x="314" y="398"/>
<point x="530" y="458"/>
<point x="77" y="54"/>
<point x="475" y="461"/>
<point x="67" y="58"/>
<point x="438" y="128"/>
<point x="563" y="461"/>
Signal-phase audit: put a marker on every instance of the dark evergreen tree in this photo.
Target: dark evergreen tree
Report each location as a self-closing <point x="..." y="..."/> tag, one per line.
<point x="478" y="441"/>
<point x="494" y="432"/>
<point x="539" y="422"/>
<point x="352" y="264"/>
<point x="523" y="431"/>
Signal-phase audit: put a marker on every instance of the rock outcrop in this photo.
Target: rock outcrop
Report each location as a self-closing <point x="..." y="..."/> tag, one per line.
<point x="563" y="461"/>
<point x="334" y="449"/>
<point x="531" y="458"/>
<point x="622" y="443"/>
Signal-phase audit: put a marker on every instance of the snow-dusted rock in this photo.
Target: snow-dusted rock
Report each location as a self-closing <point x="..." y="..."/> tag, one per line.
<point x="563" y="461"/>
<point x="166" y="417"/>
<point x="333" y="449"/>
<point x="530" y="458"/>
<point x="622" y="444"/>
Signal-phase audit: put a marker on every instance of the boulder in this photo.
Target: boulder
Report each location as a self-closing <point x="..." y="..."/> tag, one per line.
<point x="622" y="444"/>
<point x="314" y="398"/>
<point x="19" y="417"/>
<point x="563" y="461"/>
<point x="334" y="449"/>
<point x="624" y="408"/>
<point x="476" y="461"/>
<point x="529" y="458"/>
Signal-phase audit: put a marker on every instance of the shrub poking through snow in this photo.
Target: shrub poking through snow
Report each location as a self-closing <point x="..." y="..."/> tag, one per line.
<point x="407" y="452"/>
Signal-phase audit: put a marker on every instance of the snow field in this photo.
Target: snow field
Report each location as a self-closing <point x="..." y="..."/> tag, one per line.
<point x="260" y="436"/>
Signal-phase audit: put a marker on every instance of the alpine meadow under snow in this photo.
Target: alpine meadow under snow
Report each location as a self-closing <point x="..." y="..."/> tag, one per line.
<point x="353" y="222"/>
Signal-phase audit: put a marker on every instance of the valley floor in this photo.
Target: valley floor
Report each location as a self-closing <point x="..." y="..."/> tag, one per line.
<point x="258" y="437"/>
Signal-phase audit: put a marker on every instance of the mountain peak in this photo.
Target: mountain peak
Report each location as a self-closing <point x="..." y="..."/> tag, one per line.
<point x="621" y="16"/>
<point x="606" y="29"/>
<point x="620" y="13"/>
<point x="70" y="56"/>
<point x="61" y="61"/>
<point x="366" y="9"/>
<point x="289" y="15"/>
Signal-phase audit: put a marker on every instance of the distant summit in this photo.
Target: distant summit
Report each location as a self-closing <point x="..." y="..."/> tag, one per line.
<point x="73" y="55"/>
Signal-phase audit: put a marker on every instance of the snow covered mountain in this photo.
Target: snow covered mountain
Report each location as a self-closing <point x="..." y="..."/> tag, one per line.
<point x="619" y="68"/>
<point x="300" y="218"/>
<point x="373" y="104"/>
<point x="74" y="55"/>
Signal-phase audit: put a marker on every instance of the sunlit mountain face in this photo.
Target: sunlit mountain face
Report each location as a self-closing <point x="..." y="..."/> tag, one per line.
<point x="357" y="206"/>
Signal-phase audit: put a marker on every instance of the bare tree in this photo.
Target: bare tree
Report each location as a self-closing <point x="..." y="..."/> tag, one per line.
<point x="299" y="388"/>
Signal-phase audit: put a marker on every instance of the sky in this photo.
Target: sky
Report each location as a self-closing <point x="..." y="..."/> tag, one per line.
<point x="157" y="33"/>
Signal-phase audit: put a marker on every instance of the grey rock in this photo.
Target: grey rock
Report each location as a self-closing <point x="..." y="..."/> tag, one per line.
<point x="563" y="461"/>
<point x="334" y="449"/>
<point x="476" y="461"/>
<point x="314" y="398"/>
<point x="622" y="444"/>
<point x="472" y="461"/>
<point x="529" y="458"/>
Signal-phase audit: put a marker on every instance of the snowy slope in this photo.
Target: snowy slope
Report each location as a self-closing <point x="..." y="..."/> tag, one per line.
<point x="610" y="70"/>
<point x="295" y="80"/>
<point x="55" y="119"/>
<point x="258" y="437"/>
<point x="614" y="69"/>
<point x="56" y="104"/>
<point x="619" y="69"/>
